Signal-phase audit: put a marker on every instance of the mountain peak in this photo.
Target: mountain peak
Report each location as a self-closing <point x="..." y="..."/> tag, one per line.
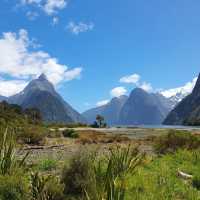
<point x="42" y="77"/>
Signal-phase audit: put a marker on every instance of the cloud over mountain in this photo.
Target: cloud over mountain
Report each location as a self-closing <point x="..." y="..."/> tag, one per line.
<point x="118" y="91"/>
<point x="20" y="61"/>
<point x="133" y="78"/>
<point x="185" y="89"/>
<point x="102" y="103"/>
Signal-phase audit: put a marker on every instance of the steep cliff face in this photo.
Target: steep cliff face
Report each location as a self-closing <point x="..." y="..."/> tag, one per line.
<point x="187" y="112"/>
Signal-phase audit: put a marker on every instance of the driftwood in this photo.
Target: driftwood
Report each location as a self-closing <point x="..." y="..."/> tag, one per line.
<point x="43" y="147"/>
<point x="184" y="175"/>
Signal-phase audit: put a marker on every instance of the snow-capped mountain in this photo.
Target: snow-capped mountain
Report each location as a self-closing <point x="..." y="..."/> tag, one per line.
<point x="176" y="95"/>
<point x="178" y="98"/>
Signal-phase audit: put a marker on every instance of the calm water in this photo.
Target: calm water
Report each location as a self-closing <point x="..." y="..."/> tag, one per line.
<point x="164" y="127"/>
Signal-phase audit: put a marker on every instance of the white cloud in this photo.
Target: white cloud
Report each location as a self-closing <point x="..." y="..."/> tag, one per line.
<point x="118" y="91"/>
<point x="72" y="74"/>
<point x="80" y="27"/>
<point x="32" y="15"/>
<point x="18" y="61"/>
<point x="11" y="87"/>
<point x="133" y="78"/>
<point x="102" y="103"/>
<point x="185" y="90"/>
<point x="50" y="7"/>
<point x="55" y="21"/>
<point x="31" y="1"/>
<point x="146" y="86"/>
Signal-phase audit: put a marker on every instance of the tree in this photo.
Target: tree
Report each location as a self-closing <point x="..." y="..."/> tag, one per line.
<point x="33" y="115"/>
<point x="100" y="121"/>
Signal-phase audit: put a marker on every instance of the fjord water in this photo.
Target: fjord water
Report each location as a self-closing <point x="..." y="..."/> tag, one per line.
<point x="163" y="127"/>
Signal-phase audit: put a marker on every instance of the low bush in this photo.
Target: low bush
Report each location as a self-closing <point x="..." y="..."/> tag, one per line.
<point x="70" y="133"/>
<point x="55" y="189"/>
<point x="33" y="135"/>
<point x="175" y="140"/>
<point x="54" y="133"/>
<point x="46" y="187"/>
<point x="77" y="176"/>
<point x="13" y="187"/>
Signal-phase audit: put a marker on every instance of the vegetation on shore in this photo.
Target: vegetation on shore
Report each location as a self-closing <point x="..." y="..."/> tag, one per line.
<point x="117" y="171"/>
<point x="121" y="173"/>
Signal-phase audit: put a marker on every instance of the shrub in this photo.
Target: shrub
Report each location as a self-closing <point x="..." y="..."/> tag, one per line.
<point x="54" y="134"/>
<point x="45" y="187"/>
<point x="55" y="189"/>
<point x="71" y="133"/>
<point x="47" y="165"/>
<point x="13" y="187"/>
<point x="175" y="140"/>
<point x="33" y="135"/>
<point x="77" y="176"/>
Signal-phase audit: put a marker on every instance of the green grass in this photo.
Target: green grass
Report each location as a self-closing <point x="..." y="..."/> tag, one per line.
<point x="47" y="165"/>
<point x="119" y="174"/>
<point x="159" y="179"/>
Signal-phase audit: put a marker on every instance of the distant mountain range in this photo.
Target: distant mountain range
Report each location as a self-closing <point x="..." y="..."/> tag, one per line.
<point x="2" y="98"/>
<point x="41" y="94"/>
<point x="140" y="107"/>
<point x="187" y="112"/>
<point x="110" y="111"/>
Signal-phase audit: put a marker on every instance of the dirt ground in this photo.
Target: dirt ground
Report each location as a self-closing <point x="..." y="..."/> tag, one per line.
<point x="60" y="148"/>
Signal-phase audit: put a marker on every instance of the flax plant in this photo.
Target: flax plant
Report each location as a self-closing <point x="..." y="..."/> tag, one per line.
<point x="8" y="157"/>
<point x="111" y="174"/>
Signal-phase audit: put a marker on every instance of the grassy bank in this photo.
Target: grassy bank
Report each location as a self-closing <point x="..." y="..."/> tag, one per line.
<point x="118" y="172"/>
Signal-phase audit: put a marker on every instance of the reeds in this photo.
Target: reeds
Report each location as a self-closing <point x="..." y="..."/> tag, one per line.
<point x="8" y="157"/>
<point x="111" y="174"/>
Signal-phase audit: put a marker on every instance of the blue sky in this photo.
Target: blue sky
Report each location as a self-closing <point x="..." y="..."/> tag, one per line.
<point x="97" y="43"/>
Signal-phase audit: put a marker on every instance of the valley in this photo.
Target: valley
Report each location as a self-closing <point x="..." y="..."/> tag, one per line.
<point x="119" y="148"/>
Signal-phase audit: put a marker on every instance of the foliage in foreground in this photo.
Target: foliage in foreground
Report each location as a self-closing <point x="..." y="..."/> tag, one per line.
<point x="111" y="174"/>
<point x="89" y="176"/>
<point x="8" y="156"/>
<point x="45" y="187"/>
<point x="78" y="174"/>
<point x="120" y="174"/>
